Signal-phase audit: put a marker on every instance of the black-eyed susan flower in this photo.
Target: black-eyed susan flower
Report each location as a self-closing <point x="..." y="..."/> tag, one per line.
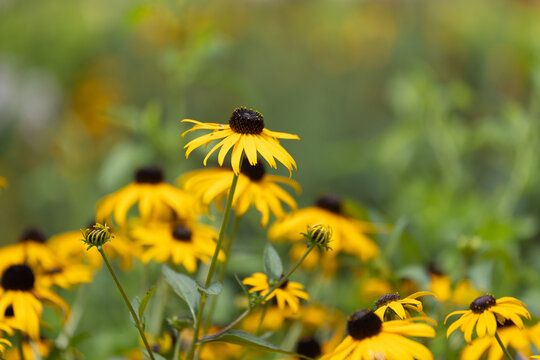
<point x="288" y="294"/>
<point x="273" y="320"/>
<point x="179" y="243"/>
<point x="484" y="314"/>
<point x="155" y="198"/>
<point x="214" y="350"/>
<point x="461" y="293"/>
<point x="20" y="296"/>
<point x="4" y="343"/>
<point x="31" y="249"/>
<point x="511" y="336"/>
<point x="398" y="305"/>
<point x="159" y="345"/>
<point x="65" y="275"/>
<point x="245" y="134"/>
<point x="370" y="338"/>
<point x="254" y="188"/>
<point x="349" y="235"/>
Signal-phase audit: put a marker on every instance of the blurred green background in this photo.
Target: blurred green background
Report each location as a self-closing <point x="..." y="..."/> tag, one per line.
<point x="425" y="111"/>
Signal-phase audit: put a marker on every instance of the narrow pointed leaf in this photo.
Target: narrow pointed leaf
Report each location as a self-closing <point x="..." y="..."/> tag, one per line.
<point x="144" y="301"/>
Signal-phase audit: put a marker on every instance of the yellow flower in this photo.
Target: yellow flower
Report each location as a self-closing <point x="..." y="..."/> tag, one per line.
<point x="398" y="305"/>
<point x="20" y="296"/>
<point x="159" y="344"/>
<point x="245" y="133"/>
<point x="375" y="287"/>
<point x="349" y="235"/>
<point x="254" y="187"/>
<point x="510" y="335"/>
<point x="273" y="319"/>
<point x="370" y="338"/>
<point x="181" y="243"/>
<point x="3" y="183"/>
<point x="156" y="199"/>
<point x="30" y="347"/>
<point x="289" y="293"/>
<point x="484" y="313"/>
<point x="65" y="276"/>
<point x="441" y="285"/>
<point x="32" y="249"/>
<point x="214" y="350"/>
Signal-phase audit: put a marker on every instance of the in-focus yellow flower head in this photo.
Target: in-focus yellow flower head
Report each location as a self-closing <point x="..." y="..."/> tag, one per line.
<point x="96" y="235"/>
<point x="484" y="313"/>
<point x="288" y="294"/>
<point x="245" y="134"/>
<point x="398" y="305"/>
<point x="254" y="188"/>
<point x="319" y="235"/>
<point x="371" y="338"/>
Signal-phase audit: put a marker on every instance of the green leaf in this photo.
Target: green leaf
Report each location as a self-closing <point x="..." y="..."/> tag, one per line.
<point x="212" y="289"/>
<point x="243" y="338"/>
<point x="144" y="301"/>
<point x="135" y="303"/>
<point x="184" y="287"/>
<point x="272" y="262"/>
<point x="156" y="355"/>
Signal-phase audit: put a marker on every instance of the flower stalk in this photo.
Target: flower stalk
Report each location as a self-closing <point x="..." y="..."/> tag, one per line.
<point x="128" y="304"/>
<point x="504" y="349"/>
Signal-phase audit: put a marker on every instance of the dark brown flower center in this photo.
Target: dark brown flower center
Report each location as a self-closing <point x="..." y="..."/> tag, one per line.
<point x="363" y="324"/>
<point x="149" y="175"/>
<point x="308" y="346"/>
<point x="32" y="234"/>
<point x="18" y="277"/>
<point x="9" y="312"/>
<point x="253" y="172"/>
<point x="482" y="303"/>
<point x="385" y="299"/>
<point x="181" y="233"/>
<point x="329" y="202"/>
<point x="285" y="283"/>
<point x="246" y="121"/>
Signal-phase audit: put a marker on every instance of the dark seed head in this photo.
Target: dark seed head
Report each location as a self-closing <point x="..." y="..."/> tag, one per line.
<point x="9" y="312"/>
<point x="18" y="277"/>
<point x="285" y="283"/>
<point x="505" y="324"/>
<point x="482" y="303"/>
<point x="309" y="347"/>
<point x="149" y="175"/>
<point x="329" y="202"/>
<point x="363" y="324"/>
<point x="181" y="233"/>
<point x="385" y="299"/>
<point x="253" y="172"/>
<point x="32" y="234"/>
<point x="434" y="269"/>
<point x="246" y="121"/>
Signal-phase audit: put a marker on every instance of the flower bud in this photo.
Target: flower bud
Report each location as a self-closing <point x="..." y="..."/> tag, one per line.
<point x="96" y="235"/>
<point x="319" y="235"/>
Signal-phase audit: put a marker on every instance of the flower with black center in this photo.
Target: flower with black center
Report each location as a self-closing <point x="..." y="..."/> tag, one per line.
<point x="485" y="312"/>
<point x="309" y="346"/>
<point x="511" y="336"/>
<point x="398" y="305"/>
<point x="287" y="295"/>
<point x="179" y="243"/>
<point x="245" y="134"/>
<point x="66" y="275"/>
<point x="460" y="293"/>
<point x="155" y="198"/>
<point x="20" y="296"/>
<point x="254" y="188"/>
<point x="370" y="338"/>
<point x="349" y="235"/>
<point x="31" y="249"/>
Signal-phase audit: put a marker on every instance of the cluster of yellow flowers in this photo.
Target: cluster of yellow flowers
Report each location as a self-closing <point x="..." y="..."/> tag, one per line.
<point x="169" y="228"/>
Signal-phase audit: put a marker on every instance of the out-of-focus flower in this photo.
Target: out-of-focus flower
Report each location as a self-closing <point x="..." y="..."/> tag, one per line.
<point x="394" y="302"/>
<point x="20" y="296"/>
<point x="274" y="319"/>
<point x="245" y="133"/>
<point x="371" y="338"/>
<point x="3" y="183"/>
<point x="288" y="294"/>
<point x="156" y="199"/>
<point x="349" y="235"/>
<point x="159" y="344"/>
<point x="254" y="187"/>
<point x="66" y="275"/>
<point x="31" y="249"/>
<point x="374" y="288"/>
<point x="180" y="243"/>
<point x="484" y="313"/>
<point x="30" y="347"/>
<point x="462" y="293"/>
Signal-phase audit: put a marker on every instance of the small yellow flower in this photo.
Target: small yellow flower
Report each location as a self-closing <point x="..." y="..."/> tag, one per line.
<point x="20" y="296"/>
<point x="370" y="338"/>
<point x="349" y="235"/>
<point x="254" y="188"/>
<point x="245" y="134"/>
<point x="3" y="183"/>
<point x="398" y="305"/>
<point x="65" y="276"/>
<point x="156" y="199"/>
<point x="289" y="293"/>
<point x="31" y="249"/>
<point x="484" y="313"/>
<point x="180" y="243"/>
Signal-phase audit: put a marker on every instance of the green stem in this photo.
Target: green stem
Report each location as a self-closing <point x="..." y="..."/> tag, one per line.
<point x="128" y="304"/>
<point x="504" y="349"/>
<point x="177" y="346"/>
<point x="212" y="268"/>
<point x="261" y="320"/>
<point x="222" y="272"/>
<point x="20" y="344"/>
<point x="270" y="291"/>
